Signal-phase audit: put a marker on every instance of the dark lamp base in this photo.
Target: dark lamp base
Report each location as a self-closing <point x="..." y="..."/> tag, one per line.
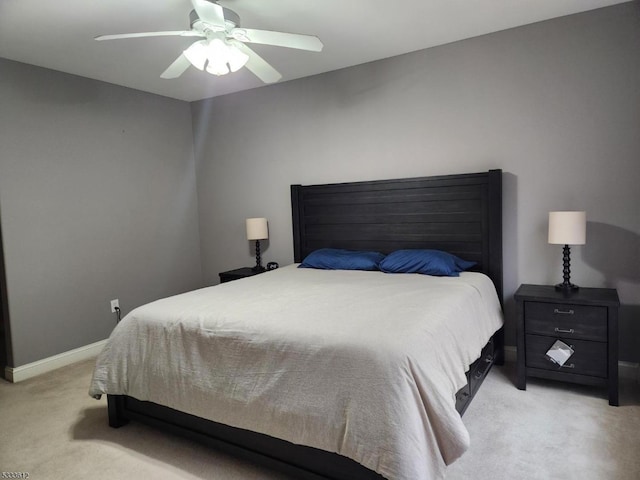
<point x="258" y="268"/>
<point x="566" y="286"/>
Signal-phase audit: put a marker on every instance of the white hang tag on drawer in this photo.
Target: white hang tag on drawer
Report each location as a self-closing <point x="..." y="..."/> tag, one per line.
<point x="559" y="352"/>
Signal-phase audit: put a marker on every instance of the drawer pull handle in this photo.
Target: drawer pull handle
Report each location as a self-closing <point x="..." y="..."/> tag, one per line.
<point x="559" y="330"/>
<point x="563" y="312"/>
<point x="571" y="365"/>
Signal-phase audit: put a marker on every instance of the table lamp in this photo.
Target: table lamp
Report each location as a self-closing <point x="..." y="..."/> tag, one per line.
<point x="567" y="228"/>
<point x="257" y="229"/>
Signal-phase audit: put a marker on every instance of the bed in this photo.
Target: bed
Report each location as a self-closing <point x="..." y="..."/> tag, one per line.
<point x="350" y="434"/>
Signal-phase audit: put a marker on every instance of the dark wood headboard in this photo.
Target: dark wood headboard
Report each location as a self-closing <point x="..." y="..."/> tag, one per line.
<point x="460" y="214"/>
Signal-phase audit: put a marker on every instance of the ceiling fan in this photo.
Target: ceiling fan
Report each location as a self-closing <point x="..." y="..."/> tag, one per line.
<point x="222" y="46"/>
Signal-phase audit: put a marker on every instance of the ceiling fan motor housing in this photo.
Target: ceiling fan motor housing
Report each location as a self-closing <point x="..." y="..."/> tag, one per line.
<point x="231" y="19"/>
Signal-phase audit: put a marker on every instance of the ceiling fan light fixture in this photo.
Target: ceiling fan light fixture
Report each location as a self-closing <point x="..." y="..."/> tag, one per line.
<point x="197" y="54"/>
<point x="217" y="55"/>
<point x="217" y="68"/>
<point x="222" y="49"/>
<point x="223" y="58"/>
<point x="236" y="58"/>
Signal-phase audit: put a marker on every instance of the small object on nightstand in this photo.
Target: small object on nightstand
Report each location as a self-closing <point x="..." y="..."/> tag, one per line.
<point x="560" y="352"/>
<point x="237" y="274"/>
<point x="586" y="320"/>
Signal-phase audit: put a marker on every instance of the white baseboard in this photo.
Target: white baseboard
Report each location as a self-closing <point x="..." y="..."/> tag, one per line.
<point x="628" y="370"/>
<point x="30" y="370"/>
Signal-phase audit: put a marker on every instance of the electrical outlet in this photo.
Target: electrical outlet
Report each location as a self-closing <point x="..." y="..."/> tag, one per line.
<point x="114" y="304"/>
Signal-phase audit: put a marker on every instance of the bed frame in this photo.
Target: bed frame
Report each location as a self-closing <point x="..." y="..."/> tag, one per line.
<point x="461" y="214"/>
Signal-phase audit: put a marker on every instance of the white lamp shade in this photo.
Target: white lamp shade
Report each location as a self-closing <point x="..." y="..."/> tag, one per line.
<point x="257" y="229"/>
<point x="568" y="228"/>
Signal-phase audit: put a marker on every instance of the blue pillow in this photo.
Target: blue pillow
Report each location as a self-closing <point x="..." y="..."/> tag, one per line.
<point x="428" y="262"/>
<point x="338" y="259"/>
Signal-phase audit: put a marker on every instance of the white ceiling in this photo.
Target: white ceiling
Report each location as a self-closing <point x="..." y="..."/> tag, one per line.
<point x="59" y="35"/>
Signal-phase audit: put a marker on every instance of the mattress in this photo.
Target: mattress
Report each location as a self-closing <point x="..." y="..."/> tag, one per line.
<point x="363" y="364"/>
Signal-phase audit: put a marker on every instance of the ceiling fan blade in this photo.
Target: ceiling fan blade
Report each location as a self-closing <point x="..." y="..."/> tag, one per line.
<point x="209" y="12"/>
<point x="177" y="68"/>
<point x="279" y="39"/>
<point x="182" y="33"/>
<point x="257" y="65"/>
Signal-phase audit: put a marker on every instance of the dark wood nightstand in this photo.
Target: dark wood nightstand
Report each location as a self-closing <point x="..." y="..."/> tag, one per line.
<point x="585" y="319"/>
<point x="237" y="274"/>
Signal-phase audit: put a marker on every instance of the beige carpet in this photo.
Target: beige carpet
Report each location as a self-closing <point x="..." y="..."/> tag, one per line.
<point x="550" y="431"/>
<point x="51" y="428"/>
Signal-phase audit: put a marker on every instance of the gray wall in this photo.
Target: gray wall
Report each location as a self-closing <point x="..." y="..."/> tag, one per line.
<point x="98" y="201"/>
<point x="556" y="105"/>
<point x="98" y="182"/>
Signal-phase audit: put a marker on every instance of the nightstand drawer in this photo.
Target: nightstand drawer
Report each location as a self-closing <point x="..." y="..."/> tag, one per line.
<point x="569" y="321"/>
<point x="589" y="358"/>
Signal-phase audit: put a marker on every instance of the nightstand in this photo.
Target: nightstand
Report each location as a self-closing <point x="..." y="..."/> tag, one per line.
<point x="237" y="274"/>
<point x="585" y="319"/>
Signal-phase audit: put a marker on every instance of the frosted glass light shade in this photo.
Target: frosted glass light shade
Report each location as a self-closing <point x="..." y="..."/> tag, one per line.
<point x="568" y="228"/>
<point x="217" y="56"/>
<point x="217" y="68"/>
<point x="236" y="59"/>
<point x="197" y="54"/>
<point x="257" y="229"/>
